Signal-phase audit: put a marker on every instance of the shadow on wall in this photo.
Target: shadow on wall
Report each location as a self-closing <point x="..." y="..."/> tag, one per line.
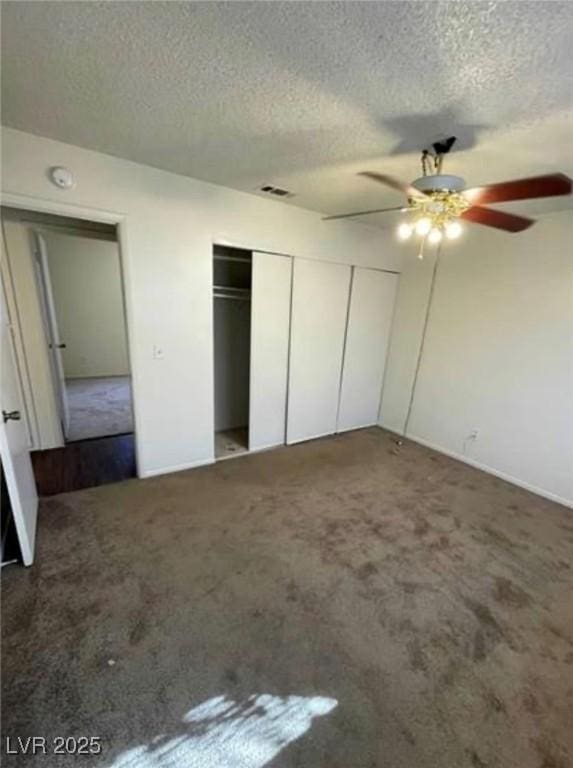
<point x="229" y="734"/>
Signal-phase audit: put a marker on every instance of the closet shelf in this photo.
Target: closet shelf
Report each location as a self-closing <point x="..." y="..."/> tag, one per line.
<point x="224" y="257"/>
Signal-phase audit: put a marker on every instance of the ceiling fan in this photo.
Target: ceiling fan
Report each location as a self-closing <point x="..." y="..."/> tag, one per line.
<point x="440" y="200"/>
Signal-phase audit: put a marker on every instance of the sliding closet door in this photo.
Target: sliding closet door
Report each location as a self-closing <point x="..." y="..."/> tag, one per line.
<point x="270" y="326"/>
<point x="319" y="309"/>
<point x="369" y="320"/>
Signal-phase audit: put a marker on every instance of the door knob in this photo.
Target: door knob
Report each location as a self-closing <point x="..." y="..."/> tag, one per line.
<point x="11" y="416"/>
<point x="57" y="346"/>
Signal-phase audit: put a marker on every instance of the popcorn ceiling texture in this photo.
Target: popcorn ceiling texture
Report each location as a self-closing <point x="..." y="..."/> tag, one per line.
<point x="301" y="94"/>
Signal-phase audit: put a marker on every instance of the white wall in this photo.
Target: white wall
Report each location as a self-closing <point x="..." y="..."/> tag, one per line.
<point x="498" y="355"/>
<point x="86" y="283"/>
<point x="169" y="227"/>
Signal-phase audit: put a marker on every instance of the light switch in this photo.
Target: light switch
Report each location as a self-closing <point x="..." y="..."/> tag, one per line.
<point x="157" y="352"/>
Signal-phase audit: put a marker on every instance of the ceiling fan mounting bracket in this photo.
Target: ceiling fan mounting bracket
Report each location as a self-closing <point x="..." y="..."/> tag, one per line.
<point x="435" y="156"/>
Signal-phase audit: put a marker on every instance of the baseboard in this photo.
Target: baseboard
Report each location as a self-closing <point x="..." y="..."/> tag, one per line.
<point x="485" y="468"/>
<point x="353" y="429"/>
<point x="175" y="468"/>
<point x="310" y="437"/>
<point x="269" y="447"/>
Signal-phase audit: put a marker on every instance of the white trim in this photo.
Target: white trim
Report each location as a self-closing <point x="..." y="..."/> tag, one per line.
<point x="230" y="456"/>
<point x="306" y="438"/>
<point x="485" y="468"/>
<point x="41" y="205"/>
<point x="227" y="243"/>
<point x="354" y="428"/>
<point x="176" y="468"/>
<point x="269" y="447"/>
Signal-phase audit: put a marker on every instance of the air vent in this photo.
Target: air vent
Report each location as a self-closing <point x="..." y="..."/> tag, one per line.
<point x="276" y="191"/>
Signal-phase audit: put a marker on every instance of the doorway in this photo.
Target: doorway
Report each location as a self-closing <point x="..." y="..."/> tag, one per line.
<point x="66" y="280"/>
<point x="79" y="279"/>
<point x="232" y="278"/>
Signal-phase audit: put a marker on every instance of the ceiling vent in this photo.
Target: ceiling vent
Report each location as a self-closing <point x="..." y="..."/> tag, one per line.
<point x="276" y="191"/>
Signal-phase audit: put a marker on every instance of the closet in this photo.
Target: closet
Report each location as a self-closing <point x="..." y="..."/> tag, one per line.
<point x="300" y="348"/>
<point x="340" y="327"/>
<point x="232" y="275"/>
<point x="251" y="318"/>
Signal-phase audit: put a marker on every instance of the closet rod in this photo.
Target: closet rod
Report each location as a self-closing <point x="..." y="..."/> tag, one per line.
<point x="233" y="298"/>
<point x="221" y="257"/>
<point x="231" y="288"/>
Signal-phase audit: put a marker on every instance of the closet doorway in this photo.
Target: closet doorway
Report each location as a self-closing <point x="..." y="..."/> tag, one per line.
<point x="232" y="281"/>
<point x="251" y="319"/>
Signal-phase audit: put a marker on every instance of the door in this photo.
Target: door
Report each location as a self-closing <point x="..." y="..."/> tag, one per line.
<point x="55" y="342"/>
<point x="369" y="322"/>
<point x="270" y="326"/>
<point x="14" y="446"/>
<point x="318" y="324"/>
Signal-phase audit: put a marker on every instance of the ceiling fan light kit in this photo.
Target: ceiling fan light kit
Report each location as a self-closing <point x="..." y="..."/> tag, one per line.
<point x="438" y="200"/>
<point x="436" y="210"/>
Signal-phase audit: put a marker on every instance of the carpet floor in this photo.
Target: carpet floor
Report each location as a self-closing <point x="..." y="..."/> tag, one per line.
<point x="333" y="604"/>
<point x="99" y="407"/>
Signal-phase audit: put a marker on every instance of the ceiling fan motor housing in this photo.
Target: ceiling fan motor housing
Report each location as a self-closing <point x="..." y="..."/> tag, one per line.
<point x="439" y="182"/>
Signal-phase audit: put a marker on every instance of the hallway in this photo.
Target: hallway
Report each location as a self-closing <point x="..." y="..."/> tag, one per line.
<point x="99" y="407"/>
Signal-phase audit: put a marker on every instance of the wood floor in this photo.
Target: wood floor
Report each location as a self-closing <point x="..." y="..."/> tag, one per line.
<point x="84" y="464"/>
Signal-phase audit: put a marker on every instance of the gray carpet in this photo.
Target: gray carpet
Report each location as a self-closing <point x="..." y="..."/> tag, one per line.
<point x="327" y="605"/>
<point x="99" y="407"/>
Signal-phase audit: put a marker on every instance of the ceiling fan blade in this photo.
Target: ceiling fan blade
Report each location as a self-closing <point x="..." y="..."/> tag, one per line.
<point x="362" y="213"/>
<point x="498" y="219"/>
<point x="520" y="189"/>
<point x="393" y="183"/>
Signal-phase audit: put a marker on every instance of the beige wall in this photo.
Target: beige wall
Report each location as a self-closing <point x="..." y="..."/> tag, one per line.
<point x="498" y="356"/>
<point x="86" y="282"/>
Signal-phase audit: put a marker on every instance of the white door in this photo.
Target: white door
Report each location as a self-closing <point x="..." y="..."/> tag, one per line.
<point x="369" y="322"/>
<point x="55" y="342"/>
<point x="270" y="326"/>
<point x="318" y="323"/>
<point x="14" y="446"/>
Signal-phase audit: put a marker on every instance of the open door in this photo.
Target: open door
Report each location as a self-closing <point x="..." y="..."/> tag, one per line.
<point x="14" y="445"/>
<point x="55" y="342"/>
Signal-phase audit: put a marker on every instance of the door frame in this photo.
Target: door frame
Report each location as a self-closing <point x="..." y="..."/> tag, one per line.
<point x="120" y="221"/>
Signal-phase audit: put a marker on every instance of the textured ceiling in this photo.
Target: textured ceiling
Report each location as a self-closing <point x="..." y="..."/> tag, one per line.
<point x="298" y="94"/>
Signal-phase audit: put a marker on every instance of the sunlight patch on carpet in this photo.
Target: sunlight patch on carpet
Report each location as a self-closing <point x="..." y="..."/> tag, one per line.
<point x="225" y="733"/>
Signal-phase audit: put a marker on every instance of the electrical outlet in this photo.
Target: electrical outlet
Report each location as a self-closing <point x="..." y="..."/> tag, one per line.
<point x="157" y="352"/>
